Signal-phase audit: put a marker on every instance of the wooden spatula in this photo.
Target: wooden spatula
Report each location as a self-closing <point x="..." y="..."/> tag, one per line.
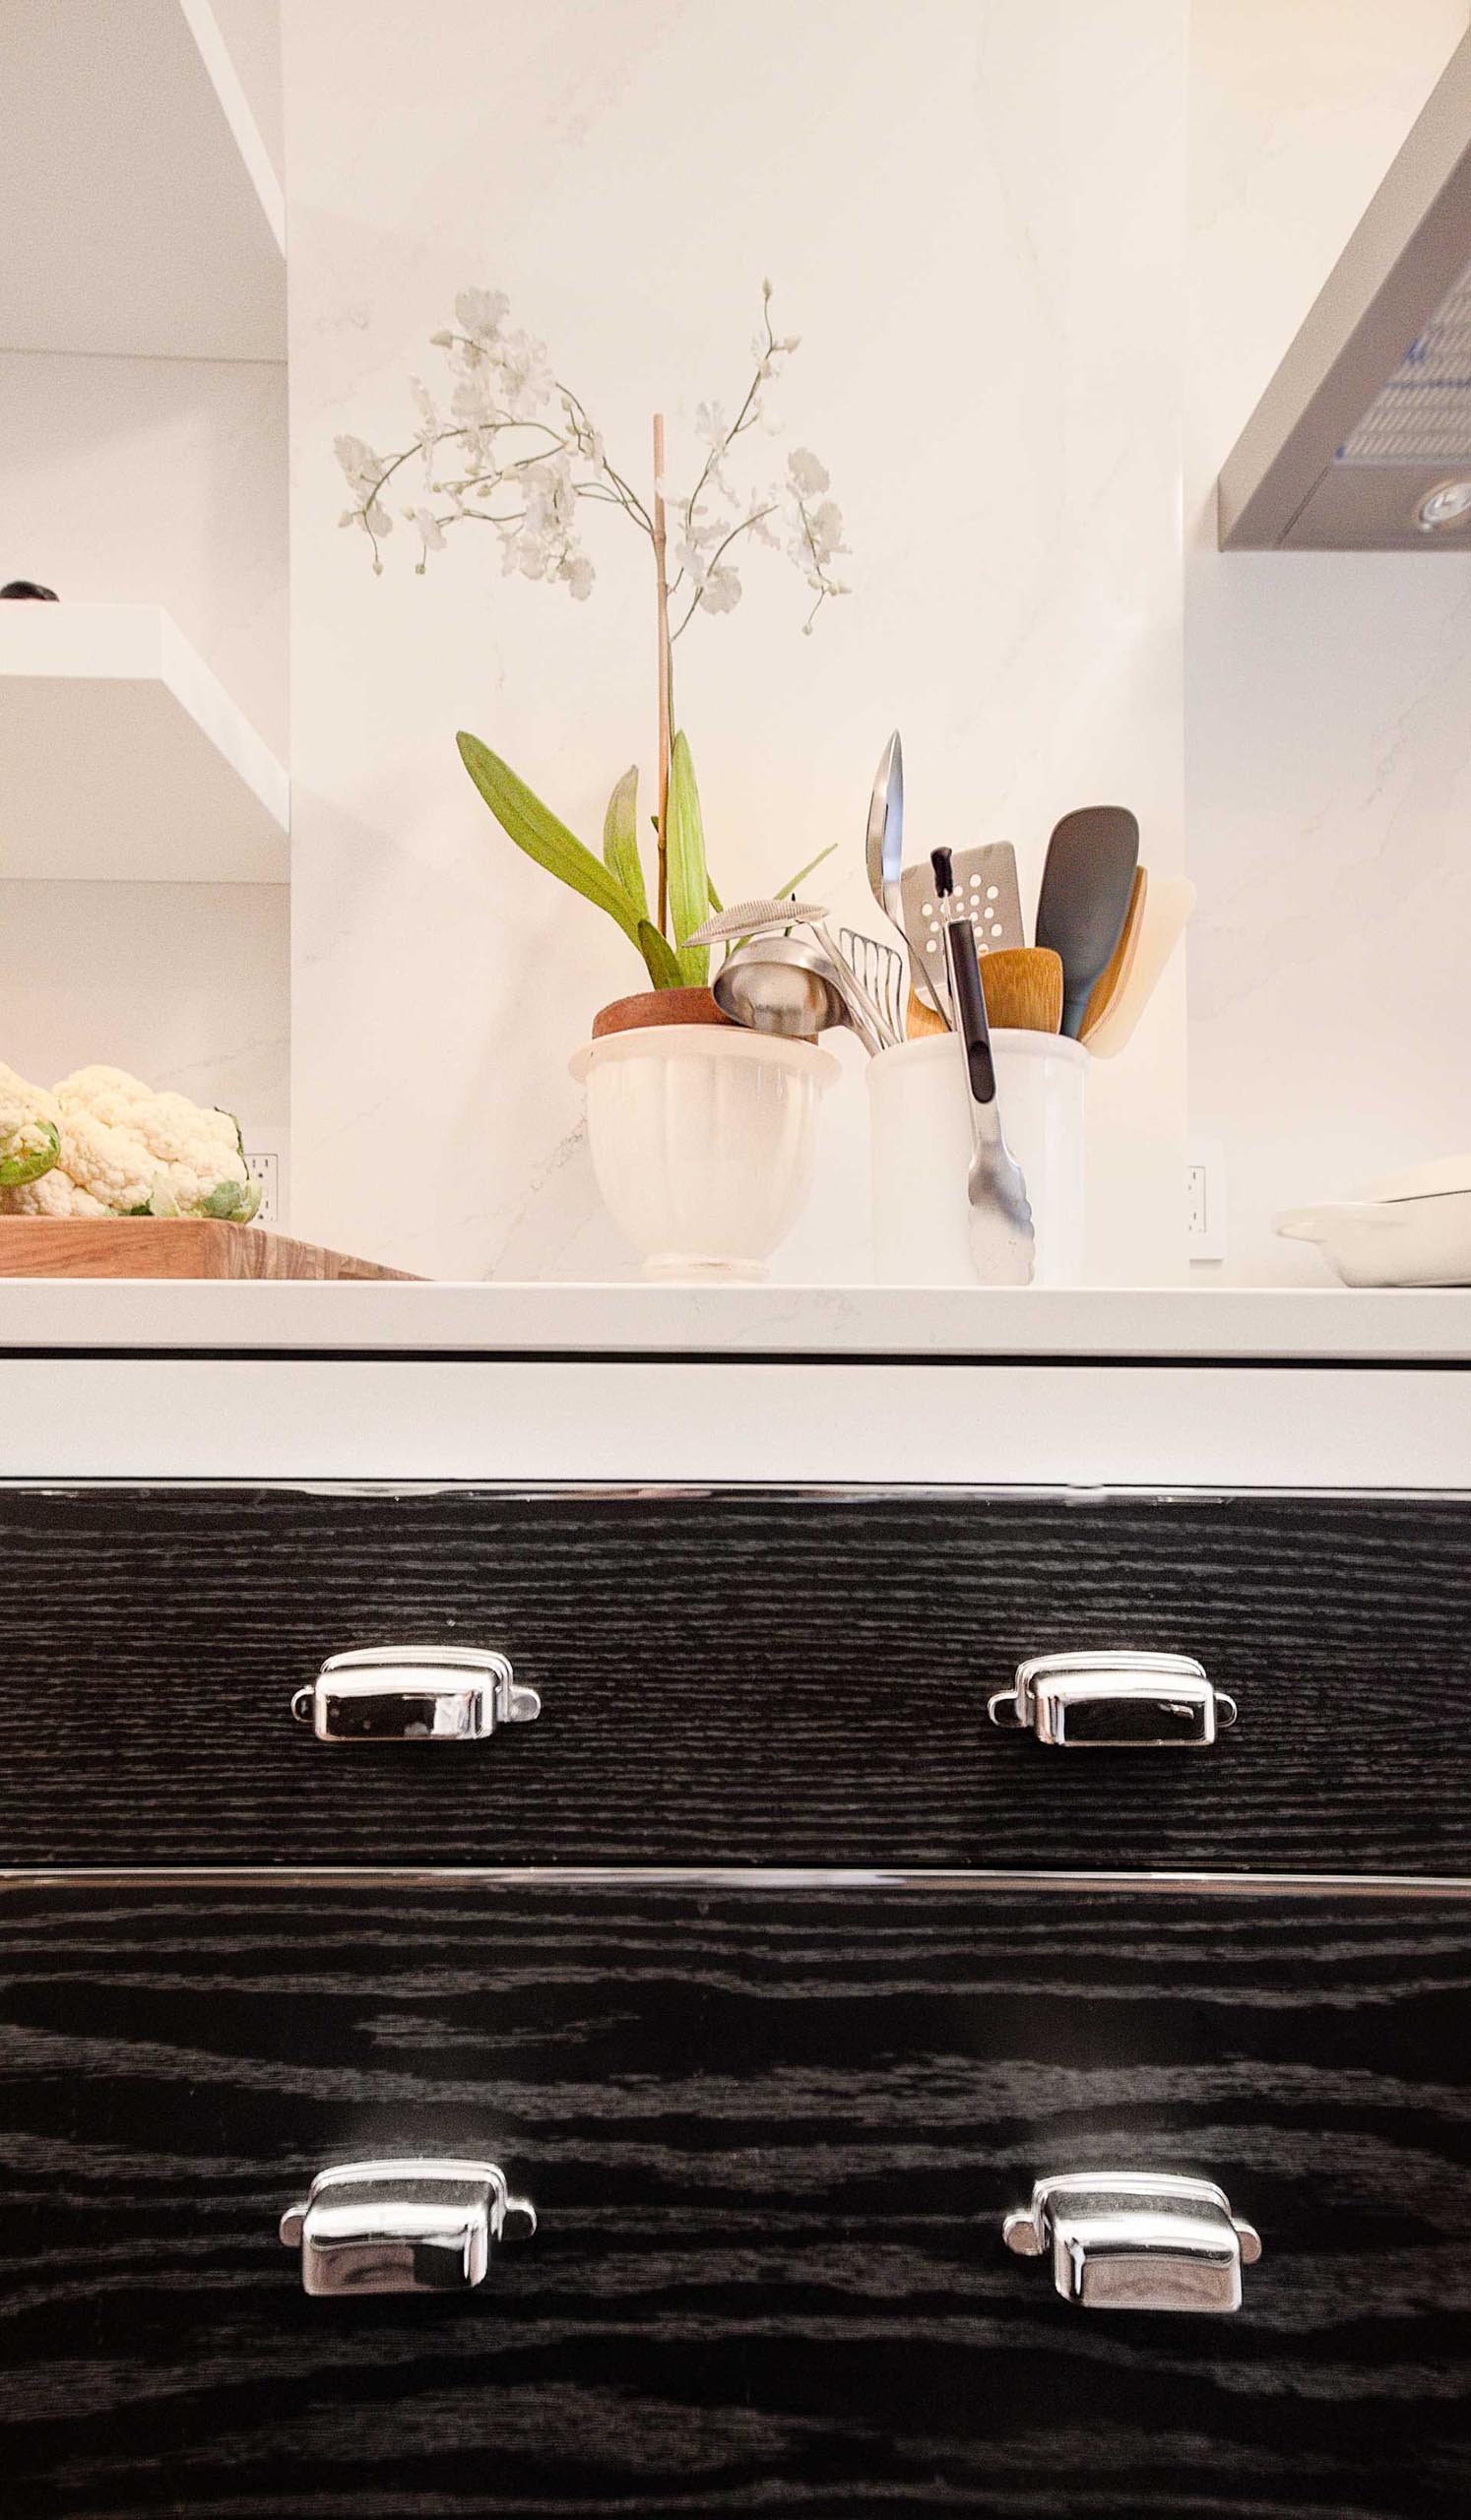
<point x="1165" y="912"/>
<point x="1117" y="973"/>
<point x="1023" y="989"/>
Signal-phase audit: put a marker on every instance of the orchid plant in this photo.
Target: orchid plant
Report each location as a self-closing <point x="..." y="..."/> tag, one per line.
<point x="515" y="450"/>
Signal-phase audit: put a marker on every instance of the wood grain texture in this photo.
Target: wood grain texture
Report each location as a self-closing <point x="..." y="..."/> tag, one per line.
<point x="771" y="2140"/>
<point x="748" y="1678"/>
<point x="1022" y="986"/>
<point x="1118" y="970"/>
<point x="921" y="1019"/>
<point x="167" y="1247"/>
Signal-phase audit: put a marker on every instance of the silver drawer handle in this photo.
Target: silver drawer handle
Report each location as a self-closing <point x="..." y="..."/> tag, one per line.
<point x="1114" y="1702"/>
<point x="414" y="1694"/>
<point x="1133" y="2241"/>
<point x="404" y="2227"/>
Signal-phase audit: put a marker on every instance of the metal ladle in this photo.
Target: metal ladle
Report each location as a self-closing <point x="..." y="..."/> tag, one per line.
<point x="789" y="985"/>
<point x="785" y="985"/>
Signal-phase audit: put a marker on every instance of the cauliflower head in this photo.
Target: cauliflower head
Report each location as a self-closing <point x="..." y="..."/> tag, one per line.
<point x="30" y="1130"/>
<point x="128" y="1151"/>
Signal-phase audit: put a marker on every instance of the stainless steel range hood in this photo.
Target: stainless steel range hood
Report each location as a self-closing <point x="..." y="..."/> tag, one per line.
<point x="1362" y="442"/>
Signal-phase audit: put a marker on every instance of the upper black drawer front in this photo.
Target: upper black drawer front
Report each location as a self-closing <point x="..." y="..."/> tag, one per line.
<point x="732" y="1677"/>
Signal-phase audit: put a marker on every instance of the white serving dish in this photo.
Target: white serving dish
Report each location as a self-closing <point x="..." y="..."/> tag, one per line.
<point x="1404" y="1242"/>
<point x="703" y="1139"/>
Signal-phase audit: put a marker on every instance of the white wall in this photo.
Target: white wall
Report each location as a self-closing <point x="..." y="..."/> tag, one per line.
<point x="160" y="480"/>
<point x="163" y="481"/>
<point x="250" y="32"/>
<point x="1329" y="696"/>
<point x="185" y="984"/>
<point x="974" y="217"/>
<point x="157" y="480"/>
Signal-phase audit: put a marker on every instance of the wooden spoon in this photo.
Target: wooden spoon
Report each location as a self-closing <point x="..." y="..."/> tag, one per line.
<point x="1171" y="902"/>
<point x="1114" y="976"/>
<point x="1022" y="985"/>
<point x="920" y="1020"/>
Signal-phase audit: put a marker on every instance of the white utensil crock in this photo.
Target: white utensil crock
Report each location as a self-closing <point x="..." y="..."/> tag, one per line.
<point x="703" y="1140"/>
<point x="920" y="1122"/>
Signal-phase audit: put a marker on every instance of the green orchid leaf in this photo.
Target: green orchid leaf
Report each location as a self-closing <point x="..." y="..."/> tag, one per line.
<point x="620" y="841"/>
<point x="533" y="828"/>
<point x="690" y="880"/>
<point x="803" y="872"/>
<point x="664" y="967"/>
<point x="716" y="902"/>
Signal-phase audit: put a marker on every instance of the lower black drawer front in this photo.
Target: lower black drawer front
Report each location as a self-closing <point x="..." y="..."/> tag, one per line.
<point x="770" y="2133"/>
<point x="734" y="1677"/>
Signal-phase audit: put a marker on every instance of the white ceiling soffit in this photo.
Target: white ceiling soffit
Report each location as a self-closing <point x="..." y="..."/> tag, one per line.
<point x="140" y="213"/>
<point x="1363" y="439"/>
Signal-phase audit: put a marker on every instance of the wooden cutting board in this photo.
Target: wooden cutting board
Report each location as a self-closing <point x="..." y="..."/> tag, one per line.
<point x="166" y="1247"/>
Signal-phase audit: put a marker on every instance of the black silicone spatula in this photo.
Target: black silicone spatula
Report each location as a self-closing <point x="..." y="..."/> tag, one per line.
<point x="1084" y="899"/>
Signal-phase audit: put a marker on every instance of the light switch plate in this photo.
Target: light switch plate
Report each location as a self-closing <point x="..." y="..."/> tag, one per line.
<point x="1206" y="1199"/>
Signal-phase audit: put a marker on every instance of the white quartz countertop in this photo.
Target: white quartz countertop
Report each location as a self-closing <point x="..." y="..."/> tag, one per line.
<point x="845" y="1323"/>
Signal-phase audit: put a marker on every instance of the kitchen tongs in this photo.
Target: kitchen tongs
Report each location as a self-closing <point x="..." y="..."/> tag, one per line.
<point x="1003" y="1245"/>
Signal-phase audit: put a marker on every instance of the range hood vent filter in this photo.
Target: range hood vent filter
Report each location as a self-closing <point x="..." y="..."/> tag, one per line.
<point x="1423" y="416"/>
<point x="1359" y="444"/>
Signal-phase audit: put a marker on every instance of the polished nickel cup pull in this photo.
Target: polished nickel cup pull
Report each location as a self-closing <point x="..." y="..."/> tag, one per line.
<point x="414" y="1694"/>
<point x="1133" y="2241"/>
<point x="1114" y="1702"/>
<point x="404" y="2227"/>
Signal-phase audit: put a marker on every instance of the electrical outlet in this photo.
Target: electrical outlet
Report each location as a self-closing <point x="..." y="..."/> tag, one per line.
<point x="1205" y="1200"/>
<point x="266" y="1163"/>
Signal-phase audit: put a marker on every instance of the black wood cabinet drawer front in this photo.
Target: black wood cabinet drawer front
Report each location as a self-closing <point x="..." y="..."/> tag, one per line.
<point x="771" y="2134"/>
<point x="732" y="1678"/>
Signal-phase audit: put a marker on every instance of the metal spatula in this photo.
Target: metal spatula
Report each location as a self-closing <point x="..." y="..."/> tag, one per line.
<point x="1086" y="886"/>
<point x="987" y="889"/>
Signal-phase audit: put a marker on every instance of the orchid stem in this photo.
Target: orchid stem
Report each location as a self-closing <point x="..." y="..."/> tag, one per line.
<point x="666" y="695"/>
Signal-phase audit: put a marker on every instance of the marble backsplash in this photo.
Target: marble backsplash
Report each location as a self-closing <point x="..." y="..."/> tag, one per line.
<point x="973" y="216"/>
<point x="1024" y="358"/>
<point x="1328" y="695"/>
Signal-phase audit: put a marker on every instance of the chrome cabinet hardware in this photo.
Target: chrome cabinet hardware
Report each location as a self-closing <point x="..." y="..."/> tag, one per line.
<point x="1114" y="1702"/>
<point x="414" y="1694"/>
<point x="404" y="2227"/>
<point x="1132" y="2240"/>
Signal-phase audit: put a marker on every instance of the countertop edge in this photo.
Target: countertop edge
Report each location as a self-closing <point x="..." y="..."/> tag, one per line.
<point x="670" y="1324"/>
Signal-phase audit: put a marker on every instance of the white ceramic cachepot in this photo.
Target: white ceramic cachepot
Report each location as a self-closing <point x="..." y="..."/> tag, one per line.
<point x="703" y="1139"/>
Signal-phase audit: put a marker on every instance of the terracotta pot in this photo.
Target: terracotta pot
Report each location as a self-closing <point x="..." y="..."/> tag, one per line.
<point x="658" y="1006"/>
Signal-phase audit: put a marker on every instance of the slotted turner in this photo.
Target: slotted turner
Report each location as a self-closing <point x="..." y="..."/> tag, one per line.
<point x="986" y="881"/>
